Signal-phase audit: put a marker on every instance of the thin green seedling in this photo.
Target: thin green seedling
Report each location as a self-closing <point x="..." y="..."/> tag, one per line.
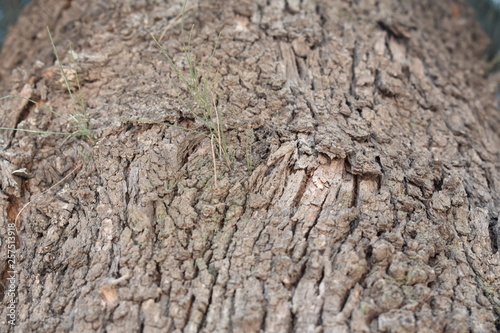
<point x="84" y="156"/>
<point x="40" y="106"/>
<point x="78" y="117"/>
<point x="203" y="91"/>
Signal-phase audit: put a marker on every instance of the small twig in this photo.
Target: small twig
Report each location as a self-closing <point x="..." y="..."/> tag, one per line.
<point x="214" y="161"/>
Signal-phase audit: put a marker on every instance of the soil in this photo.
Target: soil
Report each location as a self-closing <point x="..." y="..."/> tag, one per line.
<point x="362" y="193"/>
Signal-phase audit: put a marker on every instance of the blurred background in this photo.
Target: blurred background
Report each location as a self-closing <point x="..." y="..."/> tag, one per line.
<point x="9" y="11"/>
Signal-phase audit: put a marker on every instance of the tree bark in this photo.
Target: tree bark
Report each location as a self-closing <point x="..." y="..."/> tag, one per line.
<point x="363" y="190"/>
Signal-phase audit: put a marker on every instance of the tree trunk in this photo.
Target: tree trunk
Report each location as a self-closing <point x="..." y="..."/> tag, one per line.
<point x="362" y="193"/>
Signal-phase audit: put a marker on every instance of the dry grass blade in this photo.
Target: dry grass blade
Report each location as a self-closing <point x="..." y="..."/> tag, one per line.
<point x="201" y="86"/>
<point x="78" y="117"/>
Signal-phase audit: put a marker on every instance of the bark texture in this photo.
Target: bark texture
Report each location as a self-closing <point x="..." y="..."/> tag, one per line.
<point x="371" y="206"/>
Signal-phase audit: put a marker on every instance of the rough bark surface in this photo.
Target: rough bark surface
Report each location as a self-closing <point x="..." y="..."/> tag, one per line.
<point x="373" y="201"/>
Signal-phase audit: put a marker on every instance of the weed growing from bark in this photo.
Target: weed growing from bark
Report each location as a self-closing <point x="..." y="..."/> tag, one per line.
<point x="202" y="87"/>
<point x="78" y="117"/>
